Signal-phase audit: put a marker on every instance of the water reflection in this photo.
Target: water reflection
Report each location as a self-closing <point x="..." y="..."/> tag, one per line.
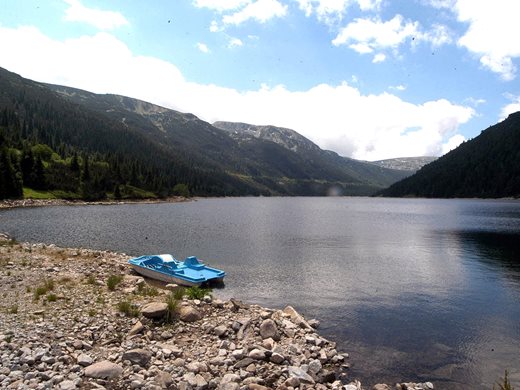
<point x="408" y="287"/>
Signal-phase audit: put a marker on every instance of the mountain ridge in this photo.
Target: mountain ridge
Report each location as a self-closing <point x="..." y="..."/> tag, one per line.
<point x="133" y="143"/>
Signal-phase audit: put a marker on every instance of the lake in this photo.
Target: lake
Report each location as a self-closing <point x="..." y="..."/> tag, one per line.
<point x="413" y="289"/>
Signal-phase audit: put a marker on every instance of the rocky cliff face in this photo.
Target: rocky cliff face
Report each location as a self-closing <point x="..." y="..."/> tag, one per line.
<point x="411" y="164"/>
<point x="287" y="138"/>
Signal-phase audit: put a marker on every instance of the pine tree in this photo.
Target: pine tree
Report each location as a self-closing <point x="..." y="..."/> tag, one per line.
<point x="117" y="192"/>
<point x="38" y="175"/>
<point x="74" y="164"/>
<point x="10" y="179"/>
<point x="27" y="164"/>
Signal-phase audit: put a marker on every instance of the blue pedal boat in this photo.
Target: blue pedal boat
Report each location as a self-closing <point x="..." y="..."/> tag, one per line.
<point x="190" y="272"/>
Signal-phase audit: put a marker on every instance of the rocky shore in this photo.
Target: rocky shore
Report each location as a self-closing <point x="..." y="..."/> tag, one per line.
<point x="80" y="319"/>
<point x="13" y="203"/>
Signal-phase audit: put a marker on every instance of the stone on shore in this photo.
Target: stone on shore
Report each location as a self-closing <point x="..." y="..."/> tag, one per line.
<point x="84" y="360"/>
<point x="301" y="375"/>
<point x="104" y="370"/>
<point x="268" y="329"/>
<point x="189" y="314"/>
<point x="154" y="310"/>
<point x="296" y="317"/>
<point x="138" y="356"/>
<point x="136" y="329"/>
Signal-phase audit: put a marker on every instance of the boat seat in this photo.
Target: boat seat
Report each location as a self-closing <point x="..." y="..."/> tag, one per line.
<point x="193" y="262"/>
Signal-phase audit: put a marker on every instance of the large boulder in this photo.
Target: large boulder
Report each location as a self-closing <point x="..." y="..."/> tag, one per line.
<point x="296" y="317"/>
<point x="155" y="310"/>
<point x="189" y="314"/>
<point x="104" y="370"/>
<point x="297" y="372"/>
<point x="268" y="329"/>
<point x="138" y="356"/>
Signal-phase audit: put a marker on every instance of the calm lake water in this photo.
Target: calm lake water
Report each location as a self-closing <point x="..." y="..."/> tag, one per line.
<point x="412" y="289"/>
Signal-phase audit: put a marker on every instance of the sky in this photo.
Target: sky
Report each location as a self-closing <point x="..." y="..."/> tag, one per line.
<point x="369" y="79"/>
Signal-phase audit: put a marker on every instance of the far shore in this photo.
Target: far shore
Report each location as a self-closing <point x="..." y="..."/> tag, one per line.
<point x="18" y="203"/>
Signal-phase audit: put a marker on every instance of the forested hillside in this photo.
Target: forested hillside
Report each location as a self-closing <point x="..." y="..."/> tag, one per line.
<point x="51" y="144"/>
<point x="487" y="166"/>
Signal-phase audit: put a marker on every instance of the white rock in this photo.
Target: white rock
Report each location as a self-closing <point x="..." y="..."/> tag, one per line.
<point x="84" y="360"/>
<point x="257" y="354"/>
<point x="277" y="358"/>
<point x="314" y="366"/>
<point x="104" y="370"/>
<point x="297" y="372"/>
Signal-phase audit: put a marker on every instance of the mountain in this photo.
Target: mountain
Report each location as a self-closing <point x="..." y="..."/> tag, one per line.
<point x="280" y="161"/>
<point x="487" y="166"/>
<point x="411" y="164"/>
<point x="80" y="144"/>
<point x="361" y="171"/>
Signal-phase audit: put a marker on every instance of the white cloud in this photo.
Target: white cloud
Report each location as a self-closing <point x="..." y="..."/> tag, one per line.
<point x="438" y="35"/>
<point x="475" y="102"/>
<point x="202" y="47"/>
<point x="441" y="3"/>
<point x="492" y="33"/>
<point x="452" y="143"/>
<point x="214" y="27"/>
<point x="376" y="34"/>
<point x="103" y="20"/>
<point x="234" y="42"/>
<point x="380" y="57"/>
<point x="260" y="10"/>
<point x="338" y="117"/>
<point x="399" y="87"/>
<point x="369" y="5"/>
<point x="510" y="108"/>
<point x="333" y="11"/>
<point x="372" y="34"/>
<point x="221" y="5"/>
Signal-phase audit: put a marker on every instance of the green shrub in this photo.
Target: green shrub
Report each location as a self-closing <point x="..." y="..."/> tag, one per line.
<point x="145" y="290"/>
<point x="52" y="297"/>
<point x="48" y="285"/>
<point x="179" y="292"/>
<point x="91" y="279"/>
<point x="128" y="309"/>
<point x="172" y="303"/>
<point x="113" y="281"/>
<point x="181" y="189"/>
<point x="196" y="292"/>
<point x="13" y="309"/>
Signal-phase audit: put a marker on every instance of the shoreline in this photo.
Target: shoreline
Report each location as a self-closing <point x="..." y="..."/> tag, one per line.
<point x="62" y="326"/>
<point x="21" y="203"/>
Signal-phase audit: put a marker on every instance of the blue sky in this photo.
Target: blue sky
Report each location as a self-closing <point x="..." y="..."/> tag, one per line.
<point x="369" y="79"/>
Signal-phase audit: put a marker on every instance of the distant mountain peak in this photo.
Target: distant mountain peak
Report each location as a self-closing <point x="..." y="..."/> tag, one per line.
<point x="411" y="164"/>
<point x="282" y="136"/>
